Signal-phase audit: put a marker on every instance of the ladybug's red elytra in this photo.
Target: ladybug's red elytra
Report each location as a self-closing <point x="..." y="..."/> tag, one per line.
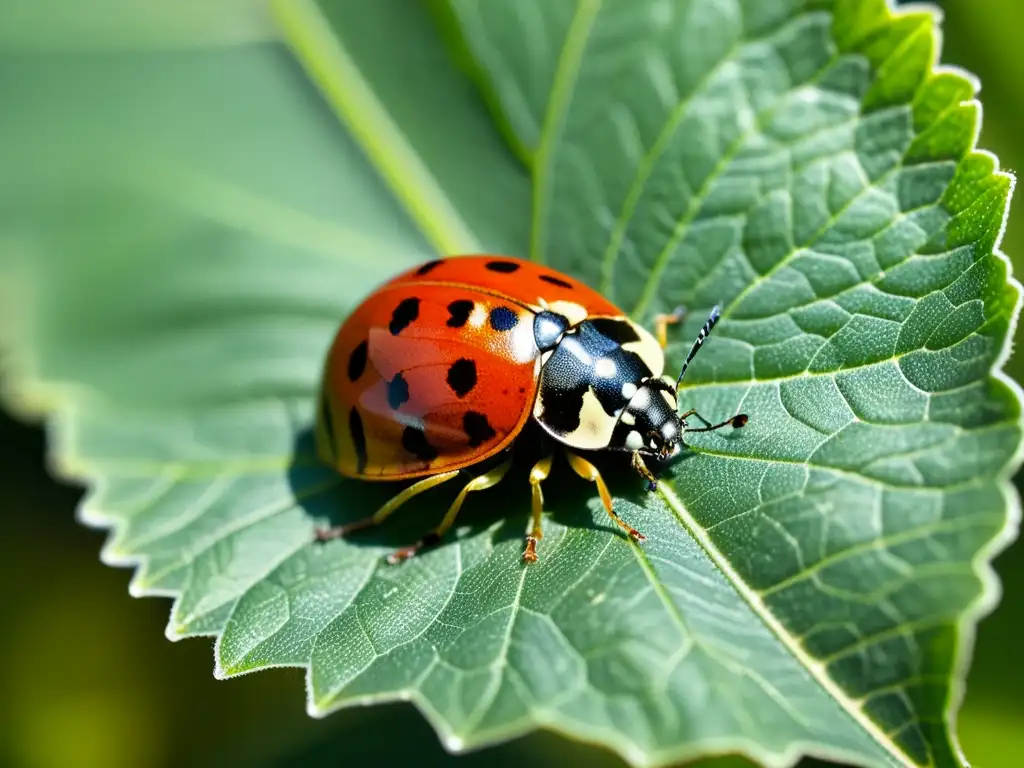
<point x="443" y="366"/>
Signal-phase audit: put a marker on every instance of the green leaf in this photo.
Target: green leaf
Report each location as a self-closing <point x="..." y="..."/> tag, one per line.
<point x="809" y="585"/>
<point x="90" y="25"/>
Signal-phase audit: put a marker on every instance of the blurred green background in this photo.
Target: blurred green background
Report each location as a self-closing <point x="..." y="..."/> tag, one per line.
<point x="87" y="677"/>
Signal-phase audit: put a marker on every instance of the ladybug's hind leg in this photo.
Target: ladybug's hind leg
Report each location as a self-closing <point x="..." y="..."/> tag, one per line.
<point x="382" y="514"/>
<point x="479" y="483"/>
<point x="588" y="471"/>
<point x="538" y="475"/>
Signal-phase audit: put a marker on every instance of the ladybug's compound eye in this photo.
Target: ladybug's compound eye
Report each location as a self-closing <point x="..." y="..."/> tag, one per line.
<point x="670" y="445"/>
<point x="548" y="328"/>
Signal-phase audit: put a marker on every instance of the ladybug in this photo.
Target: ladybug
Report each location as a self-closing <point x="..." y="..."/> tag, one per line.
<point x="443" y="367"/>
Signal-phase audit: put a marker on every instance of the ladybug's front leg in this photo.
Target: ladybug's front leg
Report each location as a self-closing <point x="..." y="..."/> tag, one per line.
<point x="644" y="471"/>
<point x="588" y="471"/>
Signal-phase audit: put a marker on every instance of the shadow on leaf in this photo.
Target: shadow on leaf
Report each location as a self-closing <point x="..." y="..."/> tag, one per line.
<point x="501" y="512"/>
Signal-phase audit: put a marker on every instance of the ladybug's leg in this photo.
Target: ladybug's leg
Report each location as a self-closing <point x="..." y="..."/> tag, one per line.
<point x="661" y="323"/>
<point x="588" y="471"/>
<point x="385" y="511"/>
<point x="538" y="475"/>
<point x="478" y="483"/>
<point x="644" y="472"/>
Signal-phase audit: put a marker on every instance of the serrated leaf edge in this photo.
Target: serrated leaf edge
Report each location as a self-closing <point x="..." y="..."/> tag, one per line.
<point x="55" y="405"/>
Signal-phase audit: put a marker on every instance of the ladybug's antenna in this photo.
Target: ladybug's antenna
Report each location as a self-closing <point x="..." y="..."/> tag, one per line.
<point x="701" y="337"/>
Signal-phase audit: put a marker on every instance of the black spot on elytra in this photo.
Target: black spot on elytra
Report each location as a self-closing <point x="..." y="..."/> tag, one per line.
<point x="462" y="376"/>
<point x="505" y="267"/>
<point x="415" y="442"/>
<point x="398" y="392"/>
<point x="556" y="281"/>
<point x="503" y="319"/>
<point x="429" y="266"/>
<point x="328" y="421"/>
<point x="478" y="430"/>
<point x="406" y="311"/>
<point x="357" y="361"/>
<point x="355" y="429"/>
<point x="460" y="309"/>
<point x="618" y="331"/>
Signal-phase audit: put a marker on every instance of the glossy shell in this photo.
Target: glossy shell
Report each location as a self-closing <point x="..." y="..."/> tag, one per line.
<point x="527" y="282"/>
<point x="439" y="368"/>
<point x="424" y="381"/>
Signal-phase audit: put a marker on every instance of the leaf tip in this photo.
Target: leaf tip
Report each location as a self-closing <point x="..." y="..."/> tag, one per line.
<point x="175" y="631"/>
<point x="454" y="744"/>
<point x="317" y="709"/>
<point x="221" y="672"/>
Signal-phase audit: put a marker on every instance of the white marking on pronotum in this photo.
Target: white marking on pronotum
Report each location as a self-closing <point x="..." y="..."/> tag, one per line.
<point x="628" y="390"/>
<point x="668" y="430"/>
<point x="633" y="441"/>
<point x="648" y="348"/>
<point x="628" y="419"/>
<point x="572" y="345"/>
<point x="640" y="400"/>
<point x="595" y="430"/>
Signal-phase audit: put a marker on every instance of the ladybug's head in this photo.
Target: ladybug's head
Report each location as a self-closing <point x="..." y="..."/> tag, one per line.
<point x="651" y="424"/>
